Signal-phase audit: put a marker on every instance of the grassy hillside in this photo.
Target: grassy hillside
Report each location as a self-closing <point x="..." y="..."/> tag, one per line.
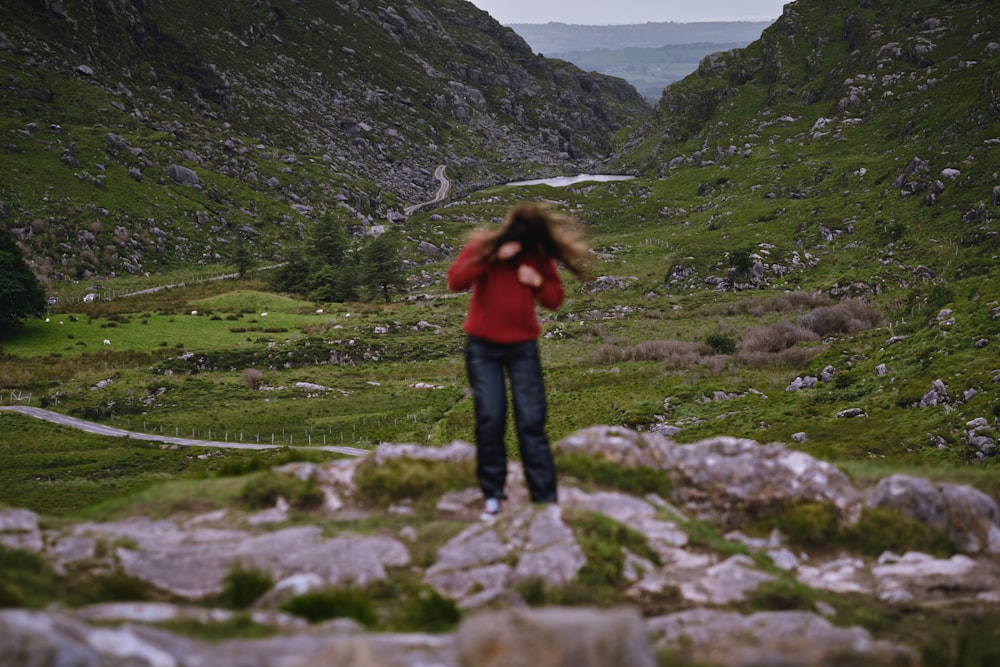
<point x="726" y="275"/>
<point x="807" y="255"/>
<point x="147" y="137"/>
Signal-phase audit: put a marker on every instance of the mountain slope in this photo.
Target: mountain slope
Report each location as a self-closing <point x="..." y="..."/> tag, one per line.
<point x="142" y="134"/>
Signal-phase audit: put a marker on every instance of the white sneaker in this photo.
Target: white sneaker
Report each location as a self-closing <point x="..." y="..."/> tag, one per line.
<point x="491" y="510"/>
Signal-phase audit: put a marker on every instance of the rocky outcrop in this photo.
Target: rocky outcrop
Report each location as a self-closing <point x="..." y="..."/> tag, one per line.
<point x="722" y="481"/>
<point x="345" y="106"/>
<point x="968" y="516"/>
<point x="725" y="480"/>
<point x="729" y="639"/>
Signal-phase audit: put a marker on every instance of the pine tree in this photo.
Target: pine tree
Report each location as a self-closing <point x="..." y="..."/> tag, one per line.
<point x="23" y="296"/>
<point x="382" y="270"/>
<point x="243" y="256"/>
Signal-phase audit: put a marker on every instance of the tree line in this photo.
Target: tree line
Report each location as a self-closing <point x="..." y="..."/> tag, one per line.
<point x="332" y="266"/>
<point x="328" y="266"/>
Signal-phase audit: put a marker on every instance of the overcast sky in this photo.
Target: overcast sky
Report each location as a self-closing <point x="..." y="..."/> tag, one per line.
<point x="609" y="12"/>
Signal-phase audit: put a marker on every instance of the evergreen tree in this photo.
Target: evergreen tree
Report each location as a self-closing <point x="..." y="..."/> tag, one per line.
<point x="328" y="241"/>
<point x="23" y="297"/>
<point x="293" y="275"/>
<point x="324" y="269"/>
<point x="382" y="270"/>
<point x="243" y="256"/>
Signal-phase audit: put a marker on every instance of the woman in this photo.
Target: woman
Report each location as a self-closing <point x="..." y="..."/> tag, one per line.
<point x="510" y="270"/>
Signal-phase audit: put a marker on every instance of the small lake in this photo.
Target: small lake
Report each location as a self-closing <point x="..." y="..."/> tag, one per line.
<point x="562" y="181"/>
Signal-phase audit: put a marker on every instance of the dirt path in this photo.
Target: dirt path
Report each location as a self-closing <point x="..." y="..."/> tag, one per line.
<point x="101" y="429"/>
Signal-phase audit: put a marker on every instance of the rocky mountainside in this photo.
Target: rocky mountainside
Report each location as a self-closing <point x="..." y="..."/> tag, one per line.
<point x="890" y="78"/>
<point x="710" y="531"/>
<point x="140" y="134"/>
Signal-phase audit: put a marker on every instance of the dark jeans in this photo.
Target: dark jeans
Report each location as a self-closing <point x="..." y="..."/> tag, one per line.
<point x="485" y="363"/>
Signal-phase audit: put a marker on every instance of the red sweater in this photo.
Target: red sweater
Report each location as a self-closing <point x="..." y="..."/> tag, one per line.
<point x="502" y="310"/>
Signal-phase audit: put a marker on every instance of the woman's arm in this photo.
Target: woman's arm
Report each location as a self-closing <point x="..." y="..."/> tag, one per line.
<point x="466" y="268"/>
<point x="548" y="286"/>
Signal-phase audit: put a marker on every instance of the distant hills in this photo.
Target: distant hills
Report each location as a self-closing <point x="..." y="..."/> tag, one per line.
<point x="649" y="55"/>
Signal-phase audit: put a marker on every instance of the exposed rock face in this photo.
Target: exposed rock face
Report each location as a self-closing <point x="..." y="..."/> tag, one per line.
<point x="726" y="480"/>
<point x="722" y="481"/>
<point x="968" y="516"/>
<point x="556" y="637"/>
<point x="382" y="96"/>
<point x="729" y="639"/>
<point x="474" y="566"/>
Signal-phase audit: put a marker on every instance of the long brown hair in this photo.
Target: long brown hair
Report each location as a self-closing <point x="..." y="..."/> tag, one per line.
<point x="540" y="231"/>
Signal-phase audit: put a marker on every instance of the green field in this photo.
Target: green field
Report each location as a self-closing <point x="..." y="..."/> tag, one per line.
<point x="643" y="352"/>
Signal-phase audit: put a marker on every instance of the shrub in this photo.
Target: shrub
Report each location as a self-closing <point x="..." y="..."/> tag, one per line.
<point x="783" y="594"/>
<point x="721" y="343"/>
<point x="638" y="480"/>
<point x="603" y="540"/>
<point x="237" y="467"/>
<point x="10" y="595"/>
<point x="110" y="587"/>
<point x="428" y="611"/>
<point x="775" y="344"/>
<point x="411" y="479"/>
<point x="741" y="261"/>
<point x="673" y="353"/>
<point x="848" y="316"/>
<point x="244" y="585"/>
<point x="264" y="490"/>
<point x="533" y="592"/>
<point x="26" y="579"/>
<point x="323" y="605"/>
<point x="781" y="303"/>
<point x="809" y="525"/>
<point x="812" y="525"/>
<point x="251" y="378"/>
<point x="884" y="529"/>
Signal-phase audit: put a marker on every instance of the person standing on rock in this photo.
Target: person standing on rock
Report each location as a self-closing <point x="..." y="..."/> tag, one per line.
<point x="510" y="270"/>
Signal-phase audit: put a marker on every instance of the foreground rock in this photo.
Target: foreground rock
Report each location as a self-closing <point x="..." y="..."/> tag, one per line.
<point x="554" y="637"/>
<point x="484" y="567"/>
<point x="776" y="639"/>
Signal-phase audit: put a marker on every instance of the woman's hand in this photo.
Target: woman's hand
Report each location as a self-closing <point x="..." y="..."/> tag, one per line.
<point x="508" y="250"/>
<point x="529" y="276"/>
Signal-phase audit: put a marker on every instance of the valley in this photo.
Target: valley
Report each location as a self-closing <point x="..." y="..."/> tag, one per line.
<point x="775" y="405"/>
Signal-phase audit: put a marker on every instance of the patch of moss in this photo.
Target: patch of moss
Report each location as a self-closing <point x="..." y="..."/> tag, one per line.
<point x="411" y="479"/>
<point x="240" y="626"/>
<point x="262" y="491"/>
<point x="816" y="526"/>
<point x="323" y="605"/>
<point x="111" y="587"/>
<point x="26" y="580"/>
<point x="883" y="529"/>
<point x="783" y="593"/>
<point x="244" y="585"/>
<point x="638" y="480"/>
<point x="601" y="533"/>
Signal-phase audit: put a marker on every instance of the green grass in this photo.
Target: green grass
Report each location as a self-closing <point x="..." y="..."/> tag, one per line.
<point x="243" y="586"/>
<point x="240" y="626"/>
<point x="418" y="481"/>
<point x="322" y="605"/>
<point x="59" y="471"/>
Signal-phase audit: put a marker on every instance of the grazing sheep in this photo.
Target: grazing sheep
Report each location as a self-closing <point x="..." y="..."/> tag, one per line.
<point x="107" y="342"/>
<point x="263" y="314"/>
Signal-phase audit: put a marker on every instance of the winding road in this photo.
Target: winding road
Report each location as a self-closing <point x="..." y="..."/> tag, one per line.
<point x="442" y="192"/>
<point x="101" y="429"/>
